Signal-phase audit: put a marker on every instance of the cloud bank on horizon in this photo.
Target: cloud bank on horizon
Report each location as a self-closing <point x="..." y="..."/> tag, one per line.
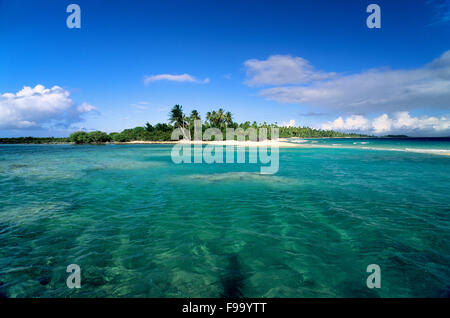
<point x="39" y="107"/>
<point x="295" y="81"/>
<point x="400" y="123"/>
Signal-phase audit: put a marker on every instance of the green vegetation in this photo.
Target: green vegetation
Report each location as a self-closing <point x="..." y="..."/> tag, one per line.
<point x="307" y="132"/>
<point x="396" y="136"/>
<point x="177" y="119"/>
<point x="33" y="140"/>
<point x="159" y="132"/>
<point x="95" y="137"/>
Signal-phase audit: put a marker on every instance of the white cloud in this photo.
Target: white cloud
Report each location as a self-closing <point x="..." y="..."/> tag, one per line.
<point x="282" y="69"/>
<point x="174" y="78"/>
<point x="377" y="89"/>
<point x="401" y="122"/>
<point x="86" y="108"/>
<point x="382" y="124"/>
<point x="39" y="106"/>
<point x="354" y="122"/>
<point x="290" y="123"/>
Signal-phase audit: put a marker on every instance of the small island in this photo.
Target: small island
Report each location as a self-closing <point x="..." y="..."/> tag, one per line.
<point x="161" y="132"/>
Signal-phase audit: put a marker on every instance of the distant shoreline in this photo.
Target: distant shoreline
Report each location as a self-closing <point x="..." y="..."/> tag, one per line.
<point x="280" y="142"/>
<point x="267" y="143"/>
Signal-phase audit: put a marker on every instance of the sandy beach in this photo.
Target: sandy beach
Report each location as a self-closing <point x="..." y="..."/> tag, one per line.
<point x="281" y="143"/>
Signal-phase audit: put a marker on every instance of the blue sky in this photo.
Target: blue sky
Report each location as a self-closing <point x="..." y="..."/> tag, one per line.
<point x="313" y="63"/>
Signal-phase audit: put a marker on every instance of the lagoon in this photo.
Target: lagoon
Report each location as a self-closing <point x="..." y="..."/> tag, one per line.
<point x="139" y="225"/>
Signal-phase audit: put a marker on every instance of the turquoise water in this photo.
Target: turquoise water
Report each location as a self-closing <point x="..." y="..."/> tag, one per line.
<point x="439" y="146"/>
<point x="139" y="225"/>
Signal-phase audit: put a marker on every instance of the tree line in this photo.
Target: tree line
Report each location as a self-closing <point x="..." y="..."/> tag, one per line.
<point x="220" y="119"/>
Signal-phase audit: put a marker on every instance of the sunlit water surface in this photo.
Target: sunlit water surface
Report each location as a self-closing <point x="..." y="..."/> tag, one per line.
<point x="139" y="225"/>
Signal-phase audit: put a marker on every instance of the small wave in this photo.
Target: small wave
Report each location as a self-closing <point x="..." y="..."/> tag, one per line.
<point x="432" y="151"/>
<point x="298" y="141"/>
<point x="444" y="152"/>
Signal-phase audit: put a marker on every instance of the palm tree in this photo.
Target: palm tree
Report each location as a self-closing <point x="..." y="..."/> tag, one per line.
<point x="192" y="118"/>
<point x="148" y="127"/>
<point x="212" y="117"/>
<point x="220" y="117"/>
<point x="228" y="119"/>
<point x="194" y="115"/>
<point x="209" y="117"/>
<point x="177" y="118"/>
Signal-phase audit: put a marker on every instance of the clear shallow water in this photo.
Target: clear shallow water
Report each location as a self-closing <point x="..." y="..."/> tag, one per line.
<point x="440" y="145"/>
<point x="140" y="226"/>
